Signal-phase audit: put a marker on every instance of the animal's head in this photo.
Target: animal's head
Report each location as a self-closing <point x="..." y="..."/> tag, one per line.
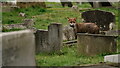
<point x="72" y="21"/>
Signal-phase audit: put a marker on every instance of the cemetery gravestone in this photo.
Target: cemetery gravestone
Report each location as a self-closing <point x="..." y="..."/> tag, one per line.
<point x="55" y="36"/>
<point x="18" y="48"/>
<point x="68" y="33"/>
<point x="66" y="3"/>
<point x="97" y="4"/>
<point x="94" y="44"/>
<point x="49" y="40"/>
<point x="42" y="41"/>
<point x="101" y="18"/>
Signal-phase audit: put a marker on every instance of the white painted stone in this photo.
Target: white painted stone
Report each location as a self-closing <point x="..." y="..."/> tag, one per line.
<point x="112" y="58"/>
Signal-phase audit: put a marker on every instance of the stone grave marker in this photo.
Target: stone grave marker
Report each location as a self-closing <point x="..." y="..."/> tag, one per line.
<point x="101" y="18"/>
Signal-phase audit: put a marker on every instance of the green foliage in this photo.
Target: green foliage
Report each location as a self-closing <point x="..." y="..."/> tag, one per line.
<point x="9" y="30"/>
<point x="67" y="57"/>
<point x="13" y="16"/>
<point x="49" y="15"/>
<point x="86" y="5"/>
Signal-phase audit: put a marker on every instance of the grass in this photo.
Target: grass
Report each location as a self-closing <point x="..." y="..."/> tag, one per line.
<point x="49" y="15"/>
<point x="68" y="57"/>
<point x="56" y="13"/>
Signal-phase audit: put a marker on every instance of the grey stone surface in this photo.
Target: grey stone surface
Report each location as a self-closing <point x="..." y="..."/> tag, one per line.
<point x="113" y="32"/>
<point x="112" y="58"/>
<point x="96" y="4"/>
<point x="55" y="36"/>
<point x="101" y="18"/>
<point x="68" y="33"/>
<point x="41" y="37"/>
<point x="94" y="44"/>
<point x="18" y="48"/>
<point x="49" y="40"/>
<point x="66" y="3"/>
<point x="27" y="24"/>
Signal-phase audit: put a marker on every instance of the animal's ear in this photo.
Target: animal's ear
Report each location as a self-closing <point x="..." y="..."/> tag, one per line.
<point x="75" y="18"/>
<point x="67" y="17"/>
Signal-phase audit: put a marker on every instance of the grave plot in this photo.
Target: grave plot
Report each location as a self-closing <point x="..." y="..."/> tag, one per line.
<point x="50" y="40"/>
<point x="94" y="44"/>
<point x="101" y="18"/>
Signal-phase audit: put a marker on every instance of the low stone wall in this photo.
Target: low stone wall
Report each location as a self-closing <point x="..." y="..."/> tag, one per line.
<point x="92" y="44"/>
<point x="18" y="48"/>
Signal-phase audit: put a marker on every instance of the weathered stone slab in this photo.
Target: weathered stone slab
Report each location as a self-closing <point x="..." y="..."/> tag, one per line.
<point x="27" y="24"/>
<point x="96" y="4"/>
<point x="68" y="33"/>
<point x="41" y="37"/>
<point x="112" y="58"/>
<point x="18" y="48"/>
<point x="93" y="44"/>
<point x="101" y="18"/>
<point x="55" y="36"/>
<point x="49" y="40"/>
<point x="66" y="3"/>
<point x="113" y="32"/>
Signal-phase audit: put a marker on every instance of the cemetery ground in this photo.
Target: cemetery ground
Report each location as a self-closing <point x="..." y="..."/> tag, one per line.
<point x="43" y="17"/>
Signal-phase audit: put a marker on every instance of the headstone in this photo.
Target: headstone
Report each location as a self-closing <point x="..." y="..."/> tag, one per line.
<point x="112" y="58"/>
<point x="66" y="3"/>
<point x="94" y="44"/>
<point x="101" y="18"/>
<point x="68" y="33"/>
<point x="55" y="36"/>
<point x="18" y="48"/>
<point x="50" y="40"/>
<point x="96" y="4"/>
<point x="42" y="45"/>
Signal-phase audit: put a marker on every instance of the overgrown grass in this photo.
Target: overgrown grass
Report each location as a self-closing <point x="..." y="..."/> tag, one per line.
<point x="58" y="14"/>
<point x="49" y="15"/>
<point x="67" y="57"/>
<point x="13" y="16"/>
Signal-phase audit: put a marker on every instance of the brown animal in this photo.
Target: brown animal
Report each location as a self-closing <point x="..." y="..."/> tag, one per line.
<point x="91" y="28"/>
